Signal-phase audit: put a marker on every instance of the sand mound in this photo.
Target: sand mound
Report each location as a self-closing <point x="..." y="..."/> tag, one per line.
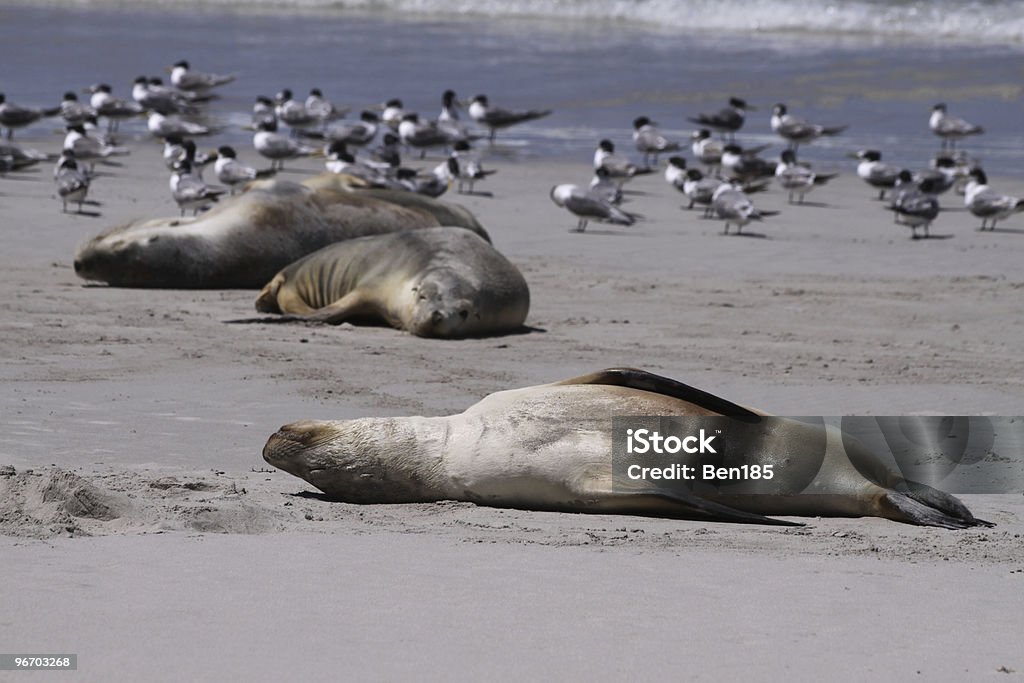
<point x="56" y="502"/>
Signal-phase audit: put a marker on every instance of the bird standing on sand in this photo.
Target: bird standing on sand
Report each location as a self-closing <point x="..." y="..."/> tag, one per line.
<point x="161" y="126"/>
<point x="111" y="108"/>
<point x="322" y="109"/>
<point x="796" y="179"/>
<point x="495" y="118"/>
<point x="74" y="112"/>
<point x="798" y="131"/>
<point x="12" y="116"/>
<point x="915" y="205"/>
<point x="420" y="134"/>
<point x="72" y="181"/>
<point x="233" y="173"/>
<point x="706" y="149"/>
<point x="745" y="165"/>
<point x="649" y="141"/>
<point x="392" y="113"/>
<point x="701" y="189"/>
<point x="263" y="112"/>
<point x="727" y="120"/>
<point x="357" y="133"/>
<point x="160" y="99"/>
<point x="987" y="204"/>
<point x="950" y="128"/>
<point x="340" y="160"/>
<point x="183" y="78"/>
<point x="190" y="192"/>
<point x="675" y="172"/>
<point x="84" y="146"/>
<point x="733" y="206"/>
<point x="874" y="172"/>
<point x="293" y="113"/>
<point x="277" y="147"/>
<point x="464" y="165"/>
<point x="588" y="207"/>
<point x="944" y="174"/>
<point x="619" y="168"/>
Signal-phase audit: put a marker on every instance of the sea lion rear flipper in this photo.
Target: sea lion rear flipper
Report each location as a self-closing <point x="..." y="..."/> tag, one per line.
<point x="684" y="505"/>
<point x="926" y="506"/>
<point x="646" y="381"/>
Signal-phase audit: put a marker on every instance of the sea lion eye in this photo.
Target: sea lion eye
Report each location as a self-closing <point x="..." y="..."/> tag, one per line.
<point x="463" y="314"/>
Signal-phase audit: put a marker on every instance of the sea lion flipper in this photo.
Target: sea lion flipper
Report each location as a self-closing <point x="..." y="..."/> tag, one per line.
<point x="335" y="313"/>
<point x="687" y="506"/>
<point x="646" y="381"/>
<point x="926" y="506"/>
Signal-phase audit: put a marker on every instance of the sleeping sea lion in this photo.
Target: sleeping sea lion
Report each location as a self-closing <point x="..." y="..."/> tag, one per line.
<point x="550" y="447"/>
<point x="435" y="282"/>
<point x="243" y="242"/>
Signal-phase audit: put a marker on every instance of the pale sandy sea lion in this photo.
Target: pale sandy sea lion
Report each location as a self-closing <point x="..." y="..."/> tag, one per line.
<point x="549" y="447"/>
<point x="244" y="241"/>
<point x="436" y="282"/>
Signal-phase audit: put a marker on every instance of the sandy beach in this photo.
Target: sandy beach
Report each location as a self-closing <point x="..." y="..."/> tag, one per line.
<point x="142" y="530"/>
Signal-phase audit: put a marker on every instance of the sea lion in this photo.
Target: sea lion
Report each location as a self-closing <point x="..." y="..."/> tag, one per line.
<point x="550" y="447"/>
<point x="435" y="282"/>
<point x="244" y="241"/>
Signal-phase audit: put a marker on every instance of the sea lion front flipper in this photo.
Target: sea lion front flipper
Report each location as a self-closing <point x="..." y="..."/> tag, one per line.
<point x="646" y="381"/>
<point x="352" y="304"/>
<point x="681" y="504"/>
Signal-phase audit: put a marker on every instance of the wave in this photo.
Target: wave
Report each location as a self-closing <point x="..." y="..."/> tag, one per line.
<point x="999" y="21"/>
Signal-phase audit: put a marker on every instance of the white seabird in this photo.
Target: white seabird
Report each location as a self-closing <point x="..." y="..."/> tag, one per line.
<point x="588" y="207"/>
<point x="987" y="204"/>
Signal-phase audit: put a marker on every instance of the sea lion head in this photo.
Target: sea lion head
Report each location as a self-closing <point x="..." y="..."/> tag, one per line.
<point x="139" y="254"/>
<point x="371" y="460"/>
<point x="443" y="305"/>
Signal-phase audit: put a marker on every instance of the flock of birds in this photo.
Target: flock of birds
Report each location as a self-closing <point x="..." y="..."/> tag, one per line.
<point x="370" y="148"/>
<point x="731" y="173"/>
<point x="316" y="128"/>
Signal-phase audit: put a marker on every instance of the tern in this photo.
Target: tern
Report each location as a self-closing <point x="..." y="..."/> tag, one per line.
<point x="950" y="128"/>
<point x="727" y="120"/>
<point x="495" y="118"/>
<point x="797" y="131"/>
<point x="589" y="207"/>
<point x="987" y="204"/>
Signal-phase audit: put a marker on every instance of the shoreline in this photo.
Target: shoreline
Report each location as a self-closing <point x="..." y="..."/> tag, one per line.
<point x="853" y="35"/>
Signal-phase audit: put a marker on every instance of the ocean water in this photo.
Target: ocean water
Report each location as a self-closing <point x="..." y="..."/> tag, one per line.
<point x="877" y="66"/>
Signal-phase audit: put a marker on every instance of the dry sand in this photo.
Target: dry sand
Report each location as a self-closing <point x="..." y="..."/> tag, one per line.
<point x="143" y="531"/>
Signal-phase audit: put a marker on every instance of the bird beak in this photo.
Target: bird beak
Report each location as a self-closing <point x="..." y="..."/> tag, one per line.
<point x="750" y="107"/>
<point x="168" y="69"/>
<point x="853" y="155"/>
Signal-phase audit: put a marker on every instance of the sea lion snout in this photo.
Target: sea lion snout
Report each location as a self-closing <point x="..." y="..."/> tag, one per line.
<point x="293" y="440"/>
<point x="443" y="319"/>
